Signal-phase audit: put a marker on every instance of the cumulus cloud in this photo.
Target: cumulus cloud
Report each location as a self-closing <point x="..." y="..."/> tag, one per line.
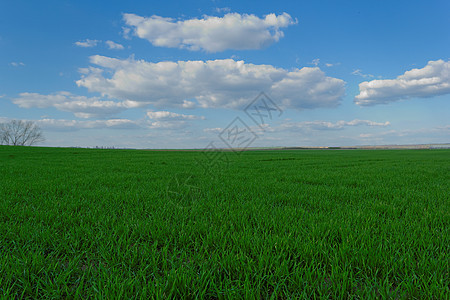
<point x="213" y="34"/>
<point x="87" y="43"/>
<point x="323" y="125"/>
<point x="80" y="106"/>
<point x="432" y="80"/>
<point x="212" y="84"/>
<point x="115" y="46"/>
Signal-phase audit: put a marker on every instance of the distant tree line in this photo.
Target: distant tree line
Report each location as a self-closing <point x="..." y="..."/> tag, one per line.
<point x="20" y="133"/>
<point x="104" y="147"/>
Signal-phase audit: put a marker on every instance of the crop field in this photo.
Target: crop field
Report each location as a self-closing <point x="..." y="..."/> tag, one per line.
<point x="92" y="223"/>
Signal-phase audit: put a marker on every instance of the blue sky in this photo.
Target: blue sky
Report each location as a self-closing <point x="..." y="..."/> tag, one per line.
<point x="174" y="74"/>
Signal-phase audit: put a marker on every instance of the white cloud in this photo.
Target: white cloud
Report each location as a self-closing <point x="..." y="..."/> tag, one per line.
<point x="80" y="106"/>
<point x="17" y="64"/>
<point x="358" y="72"/>
<point x="87" y="43"/>
<point x="167" y="115"/>
<point x="438" y="134"/>
<point x="213" y="34"/>
<point x="188" y="104"/>
<point x="112" y="45"/>
<point x="432" y="80"/>
<point x="223" y="9"/>
<point x="215" y="83"/>
<point x="315" y="62"/>
<point x="323" y="125"/>
<point x="167" y="124"/>
<point x="169" y="120"/>
<point x="50" y="124"/>
<point x="213" y="130"/>
<point x="63" y="125"/>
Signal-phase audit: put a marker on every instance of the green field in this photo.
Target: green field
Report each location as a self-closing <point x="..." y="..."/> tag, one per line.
<point x="83" y="223"/>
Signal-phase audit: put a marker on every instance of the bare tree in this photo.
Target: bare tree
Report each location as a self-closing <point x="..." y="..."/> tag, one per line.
<point x="20" y="133"/>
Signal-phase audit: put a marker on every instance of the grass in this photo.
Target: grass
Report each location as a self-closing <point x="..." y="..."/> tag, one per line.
<point x="83" y="223"/>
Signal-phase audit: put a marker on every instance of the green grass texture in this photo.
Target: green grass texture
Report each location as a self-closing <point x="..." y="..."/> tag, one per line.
<point x="292" y="224"/>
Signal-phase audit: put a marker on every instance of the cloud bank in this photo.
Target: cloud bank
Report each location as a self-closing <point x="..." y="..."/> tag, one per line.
<point x="167" y="115"/>
<point x="432" y="80"/>
<point x="169" y="120"/>
<point x="70" y="125"/>
<point x="324" y="125"/>
<point x="212" y="34"/>
<point x="80" y="106"/>
<point x="153" y="120"/>
<point x="210" y="84"/>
